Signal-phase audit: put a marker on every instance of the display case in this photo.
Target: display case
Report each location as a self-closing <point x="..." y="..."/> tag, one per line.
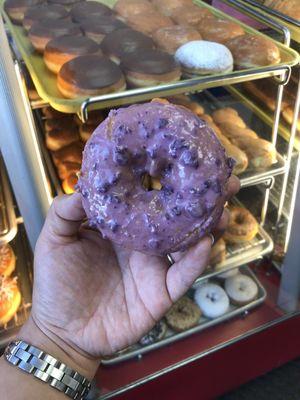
<point x="170" y="367"/>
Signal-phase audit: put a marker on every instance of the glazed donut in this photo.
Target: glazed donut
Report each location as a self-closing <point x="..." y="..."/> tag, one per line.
<point x="44" y="11"/>
<point x="200" y="57"/>
<point x="171" y="144"/>
<point x="232" y="131"/>
<point x="86" y="9"/>
<point x="242" y="226"/>
<point x="85" y="131"/>
<point x="219" y="30"/>
<point x="251" y="51"/>
<point x="95" y="117"/>
<point x="228" y="114"/>
<point x="218" y="252"/>
<point x="96" y="28"/>
<point x="238" y="155"/>
<point x="172" y="37"/>
<point x="7" y="260"/>
<point x="59" y="138"/>
<point x="241" y="289"/>
<point x="183" y="315"/>
<point x="66" y="168"/>
<point x="42" y="32"/>
<point x="127" y="8"/>
<point x="49" y="112"/>
<point x="10" y="299"/>
<point x="64" y="48"/>
<point x="69" y="183"/>
<point x="123" y="41"/>
<point x="212" y="300"/>
<point x="71" y="153"/>
<point x="146" y="67"/>
<point x="190" y="15"/>
<point x="261" y="153"/>
<point x="65" y="122"/>
<point x="17" y="8"/>
<point x="148" y="23"/>
<point x="89" y="75"/>
<point x="167" y="7"/>
<point x="157" y="333"/>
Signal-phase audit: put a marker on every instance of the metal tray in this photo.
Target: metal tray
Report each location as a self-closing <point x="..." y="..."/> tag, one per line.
<point x="263" y="113"/>
<point x="8" y="222"/>
<point x="45" y="81"/>
<point x="23" y="271"/>
<point x="204" y="323"/>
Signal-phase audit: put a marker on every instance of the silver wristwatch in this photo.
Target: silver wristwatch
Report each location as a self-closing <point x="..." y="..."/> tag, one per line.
<point x="47" y="368"/>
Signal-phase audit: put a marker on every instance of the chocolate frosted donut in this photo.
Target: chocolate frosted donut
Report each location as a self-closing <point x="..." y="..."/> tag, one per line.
<point x="63" y="49"/>
<point x="17" y="8"/>
<point x="118" y="43"/>
<point x="89" y="75"/>
<point x="147" y="67"/>
<point x="175" y="147"/>
<point x="36" y="13"/>
<point x="97" y="28"/>
<point x="87" y="9"/>
<point x="47" y="29"/>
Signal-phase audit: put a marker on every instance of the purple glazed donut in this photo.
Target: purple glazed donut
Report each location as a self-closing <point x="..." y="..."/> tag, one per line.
<point x="167" y="142"/>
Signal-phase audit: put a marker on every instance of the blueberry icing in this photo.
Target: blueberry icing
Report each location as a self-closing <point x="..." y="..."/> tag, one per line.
<point x="171" y="144"/>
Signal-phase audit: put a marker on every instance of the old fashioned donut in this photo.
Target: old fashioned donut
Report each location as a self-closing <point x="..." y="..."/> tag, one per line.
<point x="123" y="41"/>
<point x="17" y="8"/>
<point x="241" y="289"/>
<point x="171" y="144"/>
<point x="85" y="9"/>
<point x="218" y="252"/>
<point x="59" y="138"/>
<point x="147" y="67"/>
<point x="219" y="30"/>
<point x="10" y="299"/>
<point x="7" y="260"/>
<point x="43" y="11"/>
<point x="201" y="57"/>
<point x="89" y="75"/>
<point x="172" y="37"/>
<point x="183" y="315"/>
<point x="242" y="226"/>
<point x="63" y="49"/>
<point x="212" y="300"/>
<point x="157" y="333"/>
<point x="96" y="28"/>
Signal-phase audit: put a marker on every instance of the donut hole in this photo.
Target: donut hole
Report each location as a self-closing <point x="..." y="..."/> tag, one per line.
<point x="240" y="219"/>
<point x="150" y="183"/>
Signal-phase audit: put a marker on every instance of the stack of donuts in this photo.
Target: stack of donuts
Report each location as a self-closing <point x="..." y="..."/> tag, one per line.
<point x="96" y="50"/>
<point x="208" y="300"/>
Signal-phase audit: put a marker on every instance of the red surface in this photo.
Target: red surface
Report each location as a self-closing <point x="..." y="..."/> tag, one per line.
<point x="131" y="372"/>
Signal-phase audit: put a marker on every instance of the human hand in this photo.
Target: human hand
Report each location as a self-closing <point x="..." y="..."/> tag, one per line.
<point x="96" y="297"/>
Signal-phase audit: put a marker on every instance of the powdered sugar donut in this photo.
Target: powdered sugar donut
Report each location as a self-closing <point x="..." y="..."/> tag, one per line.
<point x="176" y="148"/>
<point x="212" y="300"/>
<point x="241" y="289"/>
<point x="201" y="57"/>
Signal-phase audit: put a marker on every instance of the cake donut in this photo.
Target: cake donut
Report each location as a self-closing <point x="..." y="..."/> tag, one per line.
<point x="171" y="144"/>
<point x="44" y="11"/>
<point x="183" y="315"/>
<point x="241" y="289"/>
<point x="59" y="138"/>
<point x="63" y="49"/>
<point x="200" y="57"/>
<point x="7" y="260"/>
<point x="172" y="37"/>
<point x="10" y="299"/>
<point x="89" y="75"/>
<point x="17" y="8"/>
<point x="96" y="28"/>
<point x="242" y="226"/>
<point x="157" y="333"/>
<point x="212" y="300"/>
<point x="42" y="32"/>
<point x="219" y="30"/>
<point x="85" y="9"/>
<point x="122" y="41"/>
<point x="147" y="67"/>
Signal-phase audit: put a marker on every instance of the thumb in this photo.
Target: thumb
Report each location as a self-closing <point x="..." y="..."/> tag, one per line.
<point x="64" y="219"/>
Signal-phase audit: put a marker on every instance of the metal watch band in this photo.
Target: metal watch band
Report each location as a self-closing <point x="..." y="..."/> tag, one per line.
<point x="47" y="368"/>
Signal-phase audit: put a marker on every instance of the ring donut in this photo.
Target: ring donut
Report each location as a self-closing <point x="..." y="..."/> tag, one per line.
<point x="242" y="226"/>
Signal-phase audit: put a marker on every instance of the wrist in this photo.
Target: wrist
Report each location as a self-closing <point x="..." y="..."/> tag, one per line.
<point x="52" y="344"/>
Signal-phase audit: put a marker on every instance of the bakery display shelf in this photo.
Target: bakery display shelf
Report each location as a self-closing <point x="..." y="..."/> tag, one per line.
<point x="45" y="81"/>
<point x="204" y="323"/>
<point x="23" y="271"/>
<point x="8" y="221"/>
<point x="263" y="113"/>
